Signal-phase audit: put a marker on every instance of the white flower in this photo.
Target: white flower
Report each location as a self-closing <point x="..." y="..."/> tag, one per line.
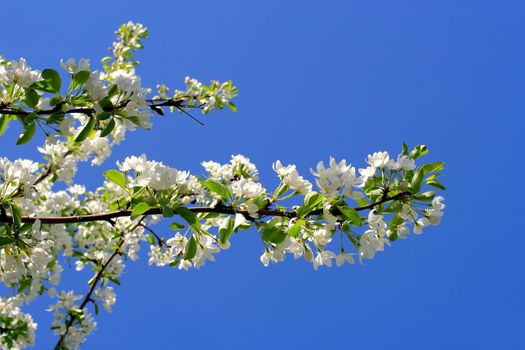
<point x="369" y="244"/>
<point x="107" y="297"/>
<point x="184" y="264"/>
<point x="367" y="173"/>
<point x="406" y="163"/>
<point x="71" y="67"/>
<point x="177" y="244"/>
<point x="337" y="176"/>
<point x="79" y="265"/>
<point x="376" y="222"/>
<point x="378" y="159"/>
<point x="20" y="73"/>
<point x="96" y="87"/>
<point x="324" y="257"/>
<point x="290" y="177"/>
<point x="343" y="257"/>
<point x="247" y="188"/>
<point x="271" y="255"/>
<point x="322" y="237"/>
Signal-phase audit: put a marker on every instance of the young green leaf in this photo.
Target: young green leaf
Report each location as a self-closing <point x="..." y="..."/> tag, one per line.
<point x="217" y="188"/>
<point x="151" y="240"/>
<point x="90" y="125"/>
<point x="436" y="184"/>
<point x="295" y="230"/>
<point x="79" y="79"/>
<point x="53" y="78"/>
<point x="116" y="177"/>
<point x="187" y="215"/>
<point x="27" y="134"/>
<point x="191" y="249"/>
<point x="404" y="150"/>
<point x="4" y="120"/>
<point x="108" y="128"/>
<point x="32" y="98"/>
<point x="226" y="230"/>
<point x="16" y="213"/>
<point x="273" y="234"/>
<point x="5" y="241"/>
<point x="415" y="184"/>
<point x="176" y="226"/>
<point x="311" y="201"/>
<point x="139" y="209"/>
<point x="432" y="167"/>
<point x="351" y="214"/>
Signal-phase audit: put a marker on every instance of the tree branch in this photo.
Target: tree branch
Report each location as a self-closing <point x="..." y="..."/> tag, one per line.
<point x="158" y="211"/>
<point x="90" y="111"/>
<point x="93" y="286"/>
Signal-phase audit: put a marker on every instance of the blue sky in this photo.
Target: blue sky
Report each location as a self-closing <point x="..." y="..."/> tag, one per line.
<point x="320" y="79"/>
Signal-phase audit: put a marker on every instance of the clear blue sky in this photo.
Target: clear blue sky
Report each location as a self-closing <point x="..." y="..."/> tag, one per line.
<point x="340" y="78"/>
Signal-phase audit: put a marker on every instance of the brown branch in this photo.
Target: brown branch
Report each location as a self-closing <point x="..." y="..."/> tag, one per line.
<point x="90" y="111"/>
<point x="158" y="211"/>
<point x="93" y="286"/>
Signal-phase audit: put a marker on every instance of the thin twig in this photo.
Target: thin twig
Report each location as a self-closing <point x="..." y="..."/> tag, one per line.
<point x="93" y="286"/>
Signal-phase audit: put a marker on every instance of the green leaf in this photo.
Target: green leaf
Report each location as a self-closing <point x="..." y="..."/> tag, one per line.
<point x="232" y="106"/>
<point x="240" y="223"/>
<point x="55" y="118"/>
<point x="226" y="230"/>
<point x="415" y="184"/>
<point x="32" y="98"/>
<point x="27" y="134"/>
<point x="425" y="196"/>
<point x="351" y="214"/>
<point x="103" y="116"/>
<point x="114" y="280"/>
<point x="151" y="240"/>
<point x="52" y="77"/>
<point x="167" y="211"/>
<point x="362" y="202"/>
<point x="187" y="215"/>
<point x="139" y="209"/>
<point x="311" y="201"/>
<point x="295" y="230"/>
<point x="436" y="184"/>
<point x="106" y="104"/>
<point x="191" y="249"/>
<point x="113" y="90"/>
<point x="404" y="151"/>
<point x="108" y="129"/>
<point x="5" y="241"/>
<point x="30" y="118"/>
<point x="90" y="125"/>
<point x="394" y="207"/>
<point x="177" y="226"/>
<point x="43" y="85"/>
<point x="116" y="177"/>
<point x="4" y="121"/>
<point x="27" y="226"/>
<point x="432" y="167"/>
<point x="273" y="234"/>
<point x="80" y="79"/>
<point x="418" y="151"/>
<point x="17" y="215"/>
<point x="393" y="225"/>
<point x="217" y="188"/>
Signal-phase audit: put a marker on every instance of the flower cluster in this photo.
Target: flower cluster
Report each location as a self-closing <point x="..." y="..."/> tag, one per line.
<point x="18" y="329"/>
<point x="83" y="323"/>
<point x="340" y="214"/>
